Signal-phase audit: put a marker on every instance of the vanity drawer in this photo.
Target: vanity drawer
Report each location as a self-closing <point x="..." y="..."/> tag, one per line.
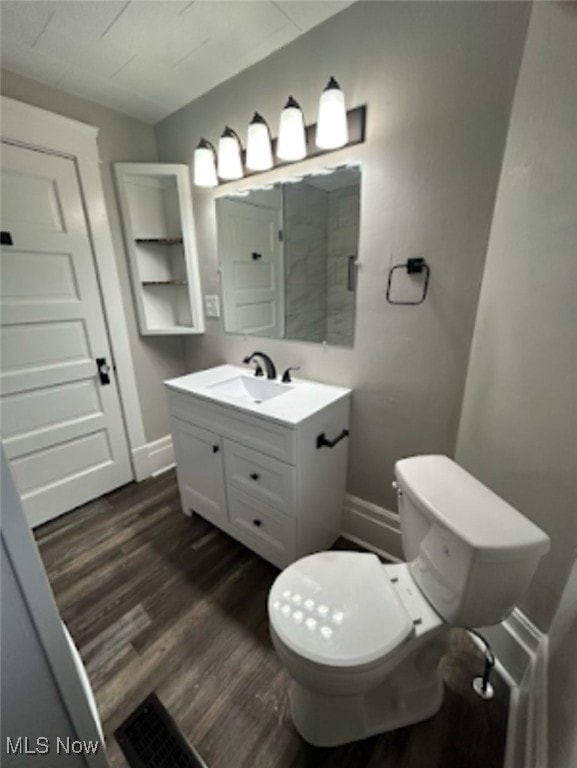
<point x="265" y="530"/>
<point x="262" y="477"/>
<point x="264" y="435"/>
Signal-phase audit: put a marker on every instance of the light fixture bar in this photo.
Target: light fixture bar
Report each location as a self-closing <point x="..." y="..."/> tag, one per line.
<point x="356" y="126"/>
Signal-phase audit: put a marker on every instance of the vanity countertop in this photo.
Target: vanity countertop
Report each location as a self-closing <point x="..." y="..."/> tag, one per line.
<point x="302" y="399"/>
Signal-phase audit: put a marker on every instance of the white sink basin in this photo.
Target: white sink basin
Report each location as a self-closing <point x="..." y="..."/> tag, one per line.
<point x="249" y="389"/>
<point x="234" y="387"/>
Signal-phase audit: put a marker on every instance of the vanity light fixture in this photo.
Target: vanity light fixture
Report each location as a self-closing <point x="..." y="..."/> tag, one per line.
<point x="205" y="165"/>
<point x="292" y="143"/>
<point x="296" y="141"/>
<point x="332" y="128"/>
<point x="229" y="155"/>
<point x="258" y="145"/>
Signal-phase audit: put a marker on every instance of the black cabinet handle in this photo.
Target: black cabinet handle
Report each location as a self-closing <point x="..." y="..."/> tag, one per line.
<point x="322" y="439"/>
<point x="215" y="449"/>
<point x="258" y="523"/>
<point x="256" y="256"/>
<point x="254" y="476"/>
<point x="6" y="239"/>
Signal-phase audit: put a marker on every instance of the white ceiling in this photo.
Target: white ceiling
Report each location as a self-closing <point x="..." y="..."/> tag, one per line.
<point x="148" y="58"/>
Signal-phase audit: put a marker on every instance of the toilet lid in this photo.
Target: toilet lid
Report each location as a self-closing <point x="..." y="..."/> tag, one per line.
<point x="338" y="609"/>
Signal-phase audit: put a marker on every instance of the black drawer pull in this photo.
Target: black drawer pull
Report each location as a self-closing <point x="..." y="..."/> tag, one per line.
<point x="258" y="523"/>
<point x="6" y="239"/>
<point x="323" y="440"/>
<point x="256" y="256"/>
<point x="215" y="449"/>
<point x="254" y="476"/>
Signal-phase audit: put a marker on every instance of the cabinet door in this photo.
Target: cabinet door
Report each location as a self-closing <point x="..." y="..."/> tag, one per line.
<point x="200" y="471"/>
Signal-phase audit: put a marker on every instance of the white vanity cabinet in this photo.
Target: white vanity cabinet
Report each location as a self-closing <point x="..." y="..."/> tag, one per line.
<point x="254" y="470"/>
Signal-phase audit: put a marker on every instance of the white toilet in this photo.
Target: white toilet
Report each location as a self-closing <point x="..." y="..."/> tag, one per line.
<point x="362" y="641"/>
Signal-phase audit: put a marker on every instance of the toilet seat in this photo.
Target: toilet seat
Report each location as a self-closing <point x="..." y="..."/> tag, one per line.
<point x="338" y="609"/>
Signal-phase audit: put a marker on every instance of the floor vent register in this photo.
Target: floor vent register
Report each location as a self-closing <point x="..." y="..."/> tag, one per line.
<point x="150" y="738"/>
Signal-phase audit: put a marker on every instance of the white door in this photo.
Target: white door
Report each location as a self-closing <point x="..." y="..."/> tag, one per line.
<point x="251" y="262"/>
<point x="62" y="427"/>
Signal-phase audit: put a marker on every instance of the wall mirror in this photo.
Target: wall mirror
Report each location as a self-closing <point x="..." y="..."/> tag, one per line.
<point x="287" y="257"/>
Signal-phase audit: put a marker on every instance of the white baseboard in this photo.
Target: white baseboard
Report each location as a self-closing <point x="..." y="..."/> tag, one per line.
<point x="153" y="458"/>
<point x="521" y="650"/>
<point x="161" y="454"/>
<point x="373" y="527"/>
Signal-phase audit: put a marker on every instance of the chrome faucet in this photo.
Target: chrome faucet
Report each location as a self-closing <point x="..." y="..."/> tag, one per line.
<point x="268" y="363"/>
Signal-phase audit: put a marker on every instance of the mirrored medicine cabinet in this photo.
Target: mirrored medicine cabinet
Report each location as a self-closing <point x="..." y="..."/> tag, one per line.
<point x="287" y="257"/>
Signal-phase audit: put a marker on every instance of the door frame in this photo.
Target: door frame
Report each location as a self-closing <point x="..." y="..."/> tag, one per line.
<point x="34" y="128"/>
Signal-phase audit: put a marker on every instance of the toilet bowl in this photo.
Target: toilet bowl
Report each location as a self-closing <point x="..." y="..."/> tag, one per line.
<point x="361" y="645"/>
<point x="362" y="641"/>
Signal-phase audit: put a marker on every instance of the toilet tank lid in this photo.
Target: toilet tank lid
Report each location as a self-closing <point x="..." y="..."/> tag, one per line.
<point x="460" y="502"/>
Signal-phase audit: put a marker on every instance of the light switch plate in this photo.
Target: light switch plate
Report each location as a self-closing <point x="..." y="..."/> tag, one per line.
<point x="212" y="306"/>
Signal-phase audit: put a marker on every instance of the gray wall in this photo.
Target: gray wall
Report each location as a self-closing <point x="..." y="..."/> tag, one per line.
<point x="120" y="138"/>
<point x="438" y="80"/>
<point x="518" y="431"/>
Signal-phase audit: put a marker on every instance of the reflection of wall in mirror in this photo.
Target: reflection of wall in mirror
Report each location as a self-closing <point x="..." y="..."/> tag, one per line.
<point x="342" y="243"/>
<point x="321" y="236"/>
<point x="305" y="216"/>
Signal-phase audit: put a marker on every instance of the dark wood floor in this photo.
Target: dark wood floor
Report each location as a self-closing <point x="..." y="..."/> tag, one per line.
<point x="160" y="602"/>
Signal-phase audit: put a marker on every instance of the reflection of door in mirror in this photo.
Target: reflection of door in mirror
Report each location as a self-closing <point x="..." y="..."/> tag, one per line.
<point x="251" y="263"/>
<point x="288" y="258"/>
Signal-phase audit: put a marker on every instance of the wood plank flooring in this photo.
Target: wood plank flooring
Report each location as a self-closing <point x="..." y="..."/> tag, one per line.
<point x="160" y="602"/>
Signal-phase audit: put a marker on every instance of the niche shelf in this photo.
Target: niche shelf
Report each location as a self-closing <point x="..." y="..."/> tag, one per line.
<point x="156" y="209"/>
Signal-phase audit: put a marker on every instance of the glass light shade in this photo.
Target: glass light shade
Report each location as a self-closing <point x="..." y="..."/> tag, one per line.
<point x="258" y="147"/>
<point x="332" y="128"/>
<point x="291" y="133"/>
<point x="229" y="160"/>
<point x="204" y="165"/>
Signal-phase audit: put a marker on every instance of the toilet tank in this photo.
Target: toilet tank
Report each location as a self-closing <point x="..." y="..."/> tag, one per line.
<point x="471" y="553"/>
